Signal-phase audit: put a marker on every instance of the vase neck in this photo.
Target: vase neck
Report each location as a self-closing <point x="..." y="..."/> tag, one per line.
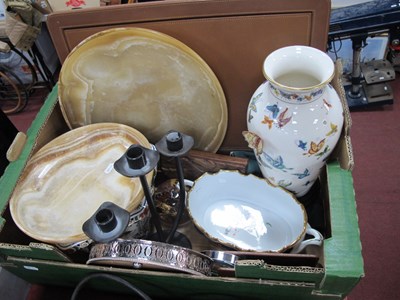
<point x="295" y="96"/>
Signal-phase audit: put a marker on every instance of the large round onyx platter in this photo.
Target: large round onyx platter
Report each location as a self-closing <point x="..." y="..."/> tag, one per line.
<point x="147" y="80"/>
<point x="67" y="180"/>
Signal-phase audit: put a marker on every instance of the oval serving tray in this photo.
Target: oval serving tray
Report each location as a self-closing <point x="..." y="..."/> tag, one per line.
<point x="144" y="79"/>
<point x="68" y="179"/>
<point x="246" y="212"/>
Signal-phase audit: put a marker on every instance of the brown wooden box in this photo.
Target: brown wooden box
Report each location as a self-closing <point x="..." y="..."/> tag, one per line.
<point x="232" y="36"/>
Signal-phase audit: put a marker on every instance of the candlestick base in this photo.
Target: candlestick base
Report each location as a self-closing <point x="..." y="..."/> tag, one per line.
<point x="179" y="239"/>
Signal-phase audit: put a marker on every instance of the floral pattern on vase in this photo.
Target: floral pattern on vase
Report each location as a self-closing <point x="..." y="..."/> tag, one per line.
<point x="293" y="127"/>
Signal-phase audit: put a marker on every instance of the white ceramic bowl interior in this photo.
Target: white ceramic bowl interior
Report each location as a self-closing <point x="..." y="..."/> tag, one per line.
<point x="298" y="62"/>
<point x="245" y="212"/>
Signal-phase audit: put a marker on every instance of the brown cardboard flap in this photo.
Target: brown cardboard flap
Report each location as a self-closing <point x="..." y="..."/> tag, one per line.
<point x="260" y="269"/>
<point x="345" y="155"/>
<point x="232" y="36"/>
<point x="337" y="83"/>
<point x="343" y="150"/>
<point x="196" y="163"/>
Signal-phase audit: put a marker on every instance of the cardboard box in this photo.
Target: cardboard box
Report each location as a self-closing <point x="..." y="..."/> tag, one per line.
<point x="341" y="261"/>
<point x="339" y="265"/>
<point x="57" y="5"/>
<point x="339" y="268"/>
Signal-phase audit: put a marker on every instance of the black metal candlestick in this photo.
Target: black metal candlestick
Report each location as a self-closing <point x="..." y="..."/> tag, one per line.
<point x="175" y="144"/>
<point x="138" y="161"/>
<point x="107" y="223"/>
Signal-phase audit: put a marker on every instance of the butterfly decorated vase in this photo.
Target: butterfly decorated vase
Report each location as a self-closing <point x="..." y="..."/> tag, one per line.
<point x="295" y="117"/>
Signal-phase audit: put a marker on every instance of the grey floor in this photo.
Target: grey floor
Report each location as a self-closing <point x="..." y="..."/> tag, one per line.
<point x="12" y="287"/>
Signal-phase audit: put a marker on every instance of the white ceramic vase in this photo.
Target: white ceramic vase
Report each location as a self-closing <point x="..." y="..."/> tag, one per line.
<point x="295" y="117"/>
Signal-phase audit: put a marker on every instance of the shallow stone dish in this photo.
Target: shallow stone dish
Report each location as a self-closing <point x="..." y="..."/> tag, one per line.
<point x="147" y="80"/>
<point x="68" y="179"/>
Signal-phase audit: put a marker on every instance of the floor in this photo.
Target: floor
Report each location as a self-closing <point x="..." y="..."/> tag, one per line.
<point x="376" y="140"/>
<point x="375" y="137"/>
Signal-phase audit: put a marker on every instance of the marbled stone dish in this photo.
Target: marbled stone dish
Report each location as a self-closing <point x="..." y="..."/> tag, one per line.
<point x="144" y="79"/>
<point x="67" y="180"/>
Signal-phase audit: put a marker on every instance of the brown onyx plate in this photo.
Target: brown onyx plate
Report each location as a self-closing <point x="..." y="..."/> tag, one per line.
<point x="144" y="79"/>
<point x="68" y="179"/>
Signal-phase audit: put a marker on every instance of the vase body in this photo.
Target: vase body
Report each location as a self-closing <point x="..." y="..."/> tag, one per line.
<point x="295" y="117"/>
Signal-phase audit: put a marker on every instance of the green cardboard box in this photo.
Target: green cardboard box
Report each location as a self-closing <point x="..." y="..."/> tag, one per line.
<point x="340" y="268"/>
<point x="340" y="264"/>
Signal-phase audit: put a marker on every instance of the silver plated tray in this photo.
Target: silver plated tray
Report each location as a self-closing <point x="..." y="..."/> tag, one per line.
<point x="144" y="254"/>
